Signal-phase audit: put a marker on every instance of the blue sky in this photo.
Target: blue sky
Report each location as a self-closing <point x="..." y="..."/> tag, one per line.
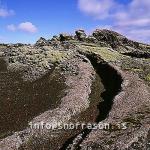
<point x="26" y="21"/>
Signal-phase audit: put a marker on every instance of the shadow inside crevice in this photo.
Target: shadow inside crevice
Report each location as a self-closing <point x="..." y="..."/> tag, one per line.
<point x="112" y="83"/>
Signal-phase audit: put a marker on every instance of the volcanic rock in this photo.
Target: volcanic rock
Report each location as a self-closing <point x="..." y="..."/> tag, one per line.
<point x="41" y="42"/>
<point x="80" y="35"/>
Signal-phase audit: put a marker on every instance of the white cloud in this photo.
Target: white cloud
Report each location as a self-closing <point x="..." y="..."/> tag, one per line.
<point x="143" y="34"/>
<point x="27" y="27"/>
<point x="136" y="13"/>
<point x="134" y="22"/>
<point x="24" y="26"/>
<point x="99" y="9"/>
<point x="134" y="16"/>
<point x="12" y="27"/>
<point x="4" y="12"/>
<point x="103" y="9"/>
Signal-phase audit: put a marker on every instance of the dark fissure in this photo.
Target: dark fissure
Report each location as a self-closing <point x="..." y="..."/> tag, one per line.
<point x="112" y="83"/>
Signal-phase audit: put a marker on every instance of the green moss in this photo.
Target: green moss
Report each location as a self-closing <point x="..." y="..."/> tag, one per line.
<point x="106" y="54"/>
<point x="57" y="56"/>
<point x="2" y="46"/>
<point x="147" y="78"/>
<point x="145" y="46"/>
<point x="136" y="69"/>
<point x="89" y="44"/>
<point x="132" y="120"/>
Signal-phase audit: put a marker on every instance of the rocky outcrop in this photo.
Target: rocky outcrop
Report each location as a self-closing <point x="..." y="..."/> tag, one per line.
<point x="41" y="42"/>
<point x="138" y="54"/>
<point x="80" y="35"/>
<point x="79" y="77"/>
<point x="114" y="39"/>
<point x="66" y="37"/>
<point x="91" y="39"/>
<point x="99" y="74"/>
<point x="55" y="38"/>
<point x="128" y="118"/>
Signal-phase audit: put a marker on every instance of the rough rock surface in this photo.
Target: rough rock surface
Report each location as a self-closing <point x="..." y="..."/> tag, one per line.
<point x="80" y="35"/>
<point x="76" y="101"/>
<point x="71" y="61"/>
<point x="129" y="118"/>
<point x="66" y="37"/>
<point x="41" y="42"/>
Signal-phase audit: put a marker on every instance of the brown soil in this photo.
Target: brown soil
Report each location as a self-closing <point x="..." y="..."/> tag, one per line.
<point x="21" y="101"/>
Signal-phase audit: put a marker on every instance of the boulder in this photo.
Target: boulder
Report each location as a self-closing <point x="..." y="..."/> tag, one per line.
<point x="80" y="35"/>
<point x="41" y="42"/>
<point x="91" y="39"/>
<point x="107" y="36"/>
<point x="55" y="41"/>
<point x="65" y="37"/>
<point x="114" y="39"/>
<point x="55" y="38"/>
